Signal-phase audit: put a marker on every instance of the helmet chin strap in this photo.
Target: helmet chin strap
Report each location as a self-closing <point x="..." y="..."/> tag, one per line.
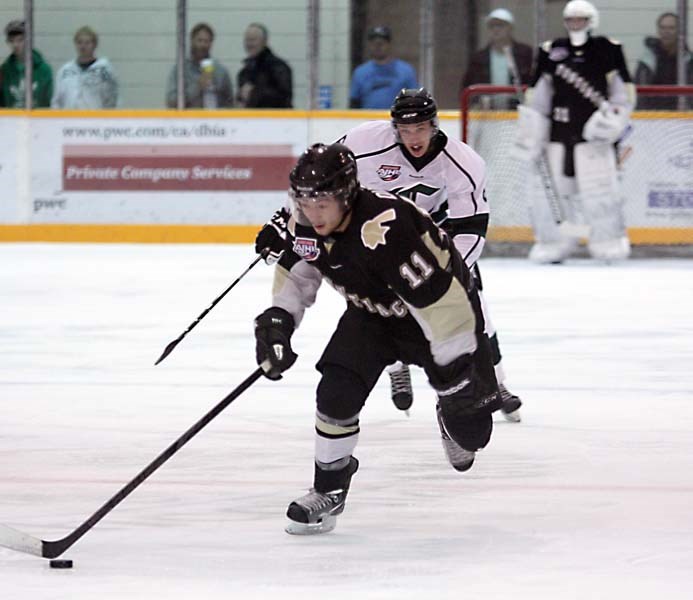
<point x="578" y="38"/>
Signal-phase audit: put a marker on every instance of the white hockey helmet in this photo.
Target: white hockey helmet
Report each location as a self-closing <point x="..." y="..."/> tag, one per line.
<point x="582" y="9"/>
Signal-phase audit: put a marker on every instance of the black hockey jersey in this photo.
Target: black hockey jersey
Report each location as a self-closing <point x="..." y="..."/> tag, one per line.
<point x="571" y="82"/>
<point x="391" y="261"/>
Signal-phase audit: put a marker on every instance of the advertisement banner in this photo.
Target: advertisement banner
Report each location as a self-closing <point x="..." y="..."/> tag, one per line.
<point x="182" y="167"/>
<point x="161" y="171"/>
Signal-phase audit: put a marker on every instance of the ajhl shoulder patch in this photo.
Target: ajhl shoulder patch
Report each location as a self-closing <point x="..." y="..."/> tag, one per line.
<point x="306" y="248"/>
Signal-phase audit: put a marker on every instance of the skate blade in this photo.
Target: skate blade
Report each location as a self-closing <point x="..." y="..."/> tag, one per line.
<point x="512" y="417"/>
<point x="327" y="524"/>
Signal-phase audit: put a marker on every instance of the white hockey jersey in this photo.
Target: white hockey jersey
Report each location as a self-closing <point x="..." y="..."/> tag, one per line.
<point x="449" y="183"/>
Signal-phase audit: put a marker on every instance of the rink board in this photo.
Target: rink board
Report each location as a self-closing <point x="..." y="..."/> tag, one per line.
<point x="169" y="176"/>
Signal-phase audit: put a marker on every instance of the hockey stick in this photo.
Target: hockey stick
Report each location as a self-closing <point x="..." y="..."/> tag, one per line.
<point x="23" y="542"/>
<point x="542" y="165"/>
<point x="171" y="346"/>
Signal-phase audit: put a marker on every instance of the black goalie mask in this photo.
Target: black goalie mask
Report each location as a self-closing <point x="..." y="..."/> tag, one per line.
<point x="323" y="171"/>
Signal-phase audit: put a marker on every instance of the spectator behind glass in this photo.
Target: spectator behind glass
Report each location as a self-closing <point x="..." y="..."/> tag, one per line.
<point x="86" y="82"/>
<point x="265" y="81"/>
<point x="207" y="83"/>
<point x="659" y="63"/>
<point x="376" y="83"/>
<point x="490" y="64"/>
<point x="12" y="73"/>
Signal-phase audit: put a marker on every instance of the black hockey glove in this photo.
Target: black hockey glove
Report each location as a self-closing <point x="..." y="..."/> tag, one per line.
<point x="462" y="392"/>
<point x="270" y="240"/>
<point x="273" y="330"/>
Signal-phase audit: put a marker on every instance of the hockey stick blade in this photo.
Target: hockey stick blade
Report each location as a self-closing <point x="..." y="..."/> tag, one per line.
<point x="169" y="348"/>
<point x="23" y="542"/>
<point x="171" y="345"/>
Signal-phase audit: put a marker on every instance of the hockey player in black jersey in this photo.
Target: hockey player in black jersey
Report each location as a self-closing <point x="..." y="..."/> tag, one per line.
<point x="409" y="296"/>
<point x="575" y="112"/>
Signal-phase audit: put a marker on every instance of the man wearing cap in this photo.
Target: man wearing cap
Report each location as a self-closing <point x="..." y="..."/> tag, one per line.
<point x="375" y="83"/>
<point x="492" y="64"/>
<point x="12" y="72"/>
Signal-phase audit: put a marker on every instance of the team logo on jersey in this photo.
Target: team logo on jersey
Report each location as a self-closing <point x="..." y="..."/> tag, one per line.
<point x="389" y="172"/>
<point x="412" y="191"/>
<point x="580" y="84"/>
<point x="306" y="248"/>
<point x="373" y="232"/>
<point x="559" y="54"/>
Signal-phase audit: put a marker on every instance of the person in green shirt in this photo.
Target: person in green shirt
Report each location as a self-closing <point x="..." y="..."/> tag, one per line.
<point x="12" y="73"/>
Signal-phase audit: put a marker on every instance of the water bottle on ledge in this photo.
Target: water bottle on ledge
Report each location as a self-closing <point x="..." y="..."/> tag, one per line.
<point x="325" y="96"/>
<point x="209" y="95"/>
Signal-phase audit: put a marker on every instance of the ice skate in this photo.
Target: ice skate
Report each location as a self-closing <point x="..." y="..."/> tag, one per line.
<point x="400" y="386"/>
<point x="552" y="252"/>
<point x="460" y="459"/>
<point x="316" y="512"/>
<point x="610" y="250"/>
<point x="510" y="408"/>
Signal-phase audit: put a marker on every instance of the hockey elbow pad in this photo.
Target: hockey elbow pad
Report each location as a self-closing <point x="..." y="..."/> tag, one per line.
<point x="270" y="240"/>
<point x="273" y="331"/>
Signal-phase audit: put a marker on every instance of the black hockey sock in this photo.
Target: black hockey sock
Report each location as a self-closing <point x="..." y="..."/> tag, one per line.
<point x="328" y="481"/>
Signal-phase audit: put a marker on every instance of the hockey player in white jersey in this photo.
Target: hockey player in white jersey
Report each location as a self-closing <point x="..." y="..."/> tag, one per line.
<point x="410" y="155"/>
<point x="576" y="110"/>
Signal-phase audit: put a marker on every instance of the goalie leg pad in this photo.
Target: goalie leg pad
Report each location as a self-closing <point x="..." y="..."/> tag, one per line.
<point x="597" y="179"/>
<point x="552" y="244"/>
<point x="545" y="227"/>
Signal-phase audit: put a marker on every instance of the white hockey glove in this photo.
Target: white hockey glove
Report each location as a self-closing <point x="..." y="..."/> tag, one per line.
<point x="606" y="126"/>
<point x="532" y="134"/>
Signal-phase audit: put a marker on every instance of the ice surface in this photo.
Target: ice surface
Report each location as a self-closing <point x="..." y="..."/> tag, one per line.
<point x="590" y="497"/>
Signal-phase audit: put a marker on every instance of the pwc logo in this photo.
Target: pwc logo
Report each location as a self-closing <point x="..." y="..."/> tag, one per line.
<point x="389" y="172"/>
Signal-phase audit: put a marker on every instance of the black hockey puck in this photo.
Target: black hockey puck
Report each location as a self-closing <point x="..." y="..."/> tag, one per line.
<point x="60" y="564"/>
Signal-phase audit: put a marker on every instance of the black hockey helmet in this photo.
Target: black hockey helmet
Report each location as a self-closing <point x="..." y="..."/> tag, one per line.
<point x="414" y="106"/>
<point x="325" y="171"/>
